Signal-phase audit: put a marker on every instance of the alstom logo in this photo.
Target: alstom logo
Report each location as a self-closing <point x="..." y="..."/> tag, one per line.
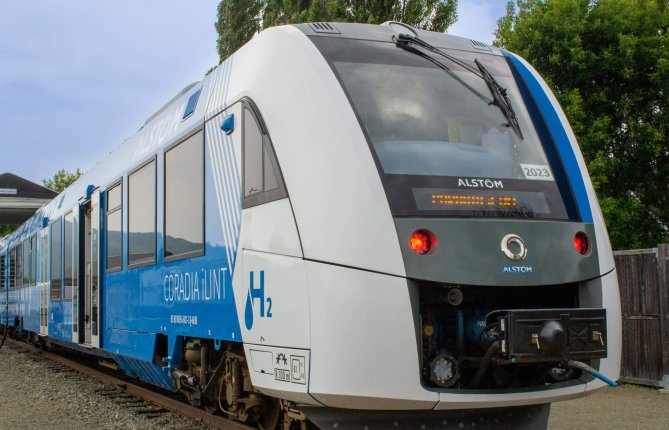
<point x="517" y="270"/>
<point x="480" y="183"/>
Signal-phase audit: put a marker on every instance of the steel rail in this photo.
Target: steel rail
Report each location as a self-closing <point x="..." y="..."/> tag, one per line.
<point x="152" y="397"/>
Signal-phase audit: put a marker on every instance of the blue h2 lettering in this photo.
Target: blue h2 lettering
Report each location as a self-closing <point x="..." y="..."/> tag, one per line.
<point x="256" y="293"/>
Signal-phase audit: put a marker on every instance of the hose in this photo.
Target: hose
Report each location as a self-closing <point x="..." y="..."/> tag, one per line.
<point x="492" y="350"/>
<point x="584" y="367"/>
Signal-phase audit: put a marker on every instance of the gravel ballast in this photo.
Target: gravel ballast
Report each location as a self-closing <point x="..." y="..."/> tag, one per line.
<point x="34" y="396"/>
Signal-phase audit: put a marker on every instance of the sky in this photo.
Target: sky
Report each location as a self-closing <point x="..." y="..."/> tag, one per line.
<point x="77" y="77"/>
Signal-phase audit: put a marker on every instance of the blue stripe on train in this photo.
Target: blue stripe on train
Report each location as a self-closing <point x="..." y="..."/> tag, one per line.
<point x="559" y="135"/>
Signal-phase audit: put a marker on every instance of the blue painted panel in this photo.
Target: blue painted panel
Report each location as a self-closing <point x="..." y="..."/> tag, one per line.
<point x="26" y="306"/>
<point x="138" y="361"/>
<point x="60" y="320"/>
<point x="146" y="371"/>
<point x="559" y="134"/>
<point x="139" y="344"/>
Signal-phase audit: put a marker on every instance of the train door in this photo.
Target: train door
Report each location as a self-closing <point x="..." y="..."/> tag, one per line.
<point x="44" y="283"/>
<point x="72" y="269"/>
<point x="89" y="309"/>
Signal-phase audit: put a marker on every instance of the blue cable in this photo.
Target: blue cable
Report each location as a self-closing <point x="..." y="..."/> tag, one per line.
<point x="584" y="367"/>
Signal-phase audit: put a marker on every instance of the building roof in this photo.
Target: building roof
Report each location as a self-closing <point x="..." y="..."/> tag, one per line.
<point x="20" y="198"/>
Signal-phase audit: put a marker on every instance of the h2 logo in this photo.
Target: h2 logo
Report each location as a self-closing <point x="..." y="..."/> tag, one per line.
<point x="256" y="293"/>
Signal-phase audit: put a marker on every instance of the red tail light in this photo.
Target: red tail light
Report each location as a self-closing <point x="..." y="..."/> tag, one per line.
<point x="581" y="243"/>
<point x="422" y="242"/>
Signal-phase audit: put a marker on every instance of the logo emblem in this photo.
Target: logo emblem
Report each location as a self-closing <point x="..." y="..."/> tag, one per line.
<point x="514" y="247"/>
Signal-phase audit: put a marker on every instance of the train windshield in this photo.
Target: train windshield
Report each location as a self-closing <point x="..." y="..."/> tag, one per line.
<point x="441" y="147"/>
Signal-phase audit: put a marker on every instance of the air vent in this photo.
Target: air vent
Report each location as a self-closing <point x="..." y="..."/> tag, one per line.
<point x="324" y="27"/>
<point x="480" y="45"/>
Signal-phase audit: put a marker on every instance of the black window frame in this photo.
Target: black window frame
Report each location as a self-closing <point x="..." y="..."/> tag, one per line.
<point x="52" y="297"/>
<point x="191" y="254"/>
<point x="264" y="196"/>
<point x="110" y="211"/>
<point x="153" y="159"/>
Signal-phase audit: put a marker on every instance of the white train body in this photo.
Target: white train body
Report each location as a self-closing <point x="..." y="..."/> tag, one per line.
<point x="334" y="308"/>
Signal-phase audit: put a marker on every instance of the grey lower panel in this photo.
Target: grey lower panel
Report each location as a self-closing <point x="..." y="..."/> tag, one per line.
<point x="519" y="418"/>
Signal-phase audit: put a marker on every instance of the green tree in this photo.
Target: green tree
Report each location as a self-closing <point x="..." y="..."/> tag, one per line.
<point x="5" y="229"/>
<point x="61" y="180"/>
<point x="607" y="61"/>
<point x="239" y="20"/>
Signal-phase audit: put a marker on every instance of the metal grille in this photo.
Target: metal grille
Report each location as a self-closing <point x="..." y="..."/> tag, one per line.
<point x="480" y="45"/>
<point x="324" y="27"/>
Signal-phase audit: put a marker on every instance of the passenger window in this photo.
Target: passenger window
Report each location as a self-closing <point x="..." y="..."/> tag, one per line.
<point x="18" y="274"/>
<point x="114" y="230"/>
<point x="2" y="273"/>
<point x="262" y="177"/>
<point x="69" y="265"/>
<point x="56" y="261"/>
<point x="12" y="268"/>
<point x="184" y="199"/>
<point x="44" y="256"/>
<point x="253" y="155"/>
<point x="142" y="216"/>
<point x="26" y="263"/>
<point x="33" y="260"/>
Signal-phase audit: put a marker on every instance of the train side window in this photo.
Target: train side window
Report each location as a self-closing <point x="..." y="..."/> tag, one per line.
<point x="262" y="177"/>
<point x="18" y="272"/>
<point x="142" y="215"/>
<point x="2" y="272"/>
<point x="184" y="199"/>
<point x="12" y="268"/>
<point x="114" y="227"/>
<point x="25" y="278"/>
<point x="56" y="235"/>
<point x="29" y="250"/>
<point x="70" y="277"/>
<point x="33" y="260"/>
<point x="44" y="259"/>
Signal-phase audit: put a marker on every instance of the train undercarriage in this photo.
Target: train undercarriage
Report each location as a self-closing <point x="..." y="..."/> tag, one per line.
<point x="219" y="381"/>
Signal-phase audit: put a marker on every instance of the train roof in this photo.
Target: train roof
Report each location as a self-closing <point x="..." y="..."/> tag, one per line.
<point x="385" y="32"/>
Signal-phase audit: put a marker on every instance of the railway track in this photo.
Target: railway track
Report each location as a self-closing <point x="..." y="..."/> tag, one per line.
<point x="142" y="400"/>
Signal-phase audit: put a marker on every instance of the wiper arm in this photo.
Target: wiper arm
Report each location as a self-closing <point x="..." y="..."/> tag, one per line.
<point x="500" y="98"/>
<point x="404" y="41"/>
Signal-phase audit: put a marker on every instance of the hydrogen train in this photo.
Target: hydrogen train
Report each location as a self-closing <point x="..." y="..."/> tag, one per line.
<point x="342" y="224"/>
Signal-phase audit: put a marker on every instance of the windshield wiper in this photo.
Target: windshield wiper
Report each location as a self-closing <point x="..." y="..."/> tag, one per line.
<point x="404" y="40"/>
<point x="501" y="99"/>
<point x="499" y="94"/>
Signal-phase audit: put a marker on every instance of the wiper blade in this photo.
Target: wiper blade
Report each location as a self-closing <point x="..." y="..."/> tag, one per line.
<point x="500" y="98"/>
